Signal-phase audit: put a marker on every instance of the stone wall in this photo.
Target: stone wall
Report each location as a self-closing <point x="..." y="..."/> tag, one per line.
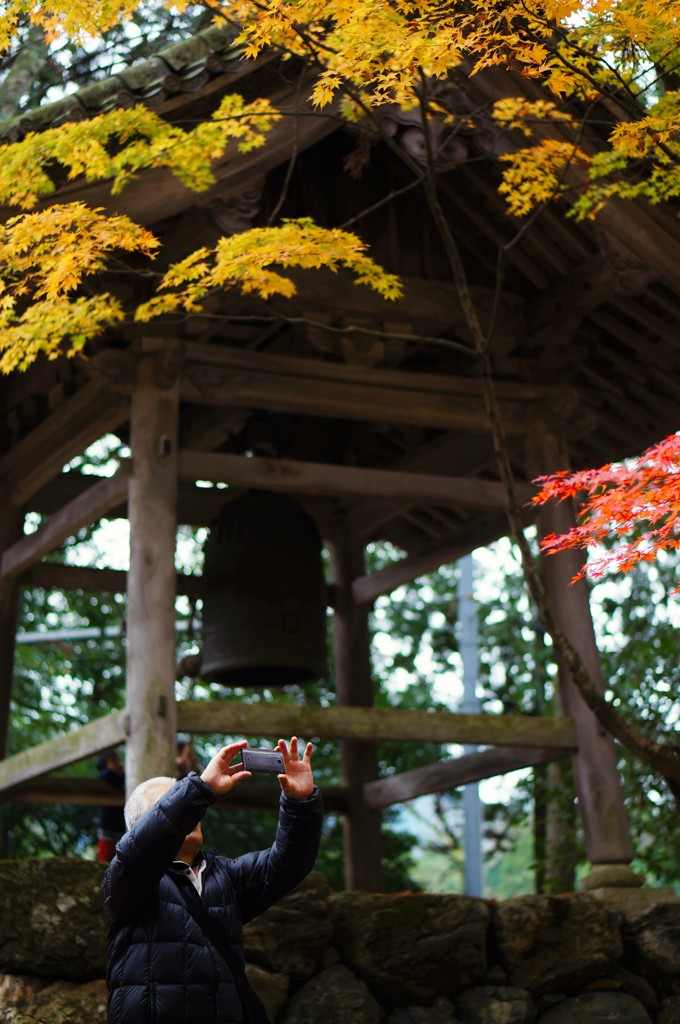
<point x="359" y="958"/>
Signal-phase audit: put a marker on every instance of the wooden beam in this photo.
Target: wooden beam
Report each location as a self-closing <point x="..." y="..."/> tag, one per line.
<point x="158" y="194"/>
<point x="77" y="791"/>
<point x="342" y="481"/>
<point x="234" y="718"/>
<point x="196" y="506"/>
<point x="85" y="509"/>
<point x="460" y="771"/>
<point x="257" y="380"/>
<point x="66" y="749"/>
<point x="75" y="424"/>
<point x="53" y="576"/>
<point x="433" y="304"/>
<point x="62" y="789"/>
<point x="98" y="581"/>
<point x="373" y="585"/>
<point x="443" y="456"/>
<point x="201" y="358"/>
<point x="64" y="488"/>
<point x="640" y="230"/>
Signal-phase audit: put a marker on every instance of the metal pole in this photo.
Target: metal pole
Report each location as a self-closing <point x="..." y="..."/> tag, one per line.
<point x="472" y="805"/>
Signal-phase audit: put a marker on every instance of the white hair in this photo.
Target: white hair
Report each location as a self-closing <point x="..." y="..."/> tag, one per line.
<point x="139" y="800"/>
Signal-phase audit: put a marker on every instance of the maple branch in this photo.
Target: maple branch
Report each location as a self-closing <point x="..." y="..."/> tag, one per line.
<point x="274" y="317"/>
<point x="664" y="758"/>
<point x="293" y="156"/>
<point x="389" y="198"/>
<point x="501" y="261"/>
<point x="580" y="72"/>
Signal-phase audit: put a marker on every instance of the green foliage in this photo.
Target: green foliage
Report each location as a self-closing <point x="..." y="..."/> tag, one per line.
<point x="59" y="686"/>
<point x="640" y="660"/>
<point x="43" y="830"/>
<point x="64" y="684"/>
<point x="417" y="659"/>
<point x="517" y="667"/>
<point x="636" y="622"/>
<point x="416" y="665"/>
<point x="510" y="874"/>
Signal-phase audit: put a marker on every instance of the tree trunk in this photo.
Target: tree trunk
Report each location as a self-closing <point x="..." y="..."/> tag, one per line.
<point x="596" y="774"/>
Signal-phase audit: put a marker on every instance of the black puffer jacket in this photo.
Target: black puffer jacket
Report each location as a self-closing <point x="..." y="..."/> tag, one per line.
<point x="161" y="967"/>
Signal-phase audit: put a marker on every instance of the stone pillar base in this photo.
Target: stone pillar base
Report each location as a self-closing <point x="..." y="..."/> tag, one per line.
<point x="611" y="876"/>
<point x="623" y="890"/>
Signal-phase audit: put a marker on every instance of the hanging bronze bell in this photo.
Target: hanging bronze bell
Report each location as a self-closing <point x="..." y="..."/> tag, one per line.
<point x="264" y="595"/>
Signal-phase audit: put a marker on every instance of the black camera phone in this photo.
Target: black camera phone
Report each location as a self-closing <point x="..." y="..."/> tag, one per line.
<point x="268" y="762"/>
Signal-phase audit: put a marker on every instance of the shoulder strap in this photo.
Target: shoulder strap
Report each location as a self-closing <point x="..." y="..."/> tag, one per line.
<point x="254" y="1011"/>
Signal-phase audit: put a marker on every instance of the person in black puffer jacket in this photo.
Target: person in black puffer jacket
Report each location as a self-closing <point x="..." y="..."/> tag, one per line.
<point x="162" y="968"/>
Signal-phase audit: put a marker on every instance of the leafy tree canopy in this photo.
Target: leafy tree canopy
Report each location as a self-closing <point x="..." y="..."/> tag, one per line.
<point x="601" y="121"/>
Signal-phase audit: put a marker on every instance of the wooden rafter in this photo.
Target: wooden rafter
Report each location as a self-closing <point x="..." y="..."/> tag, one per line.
<point x="367" y="588"/>
<point x="158" y="194"/>
<point x="64" y="750"/>
<point x="82" y="511"/>
<point x="75" y="424"/>
<point x="656" y="244"/>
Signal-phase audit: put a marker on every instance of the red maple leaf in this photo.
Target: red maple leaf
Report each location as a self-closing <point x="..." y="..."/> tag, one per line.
<point x="634" y="504"/>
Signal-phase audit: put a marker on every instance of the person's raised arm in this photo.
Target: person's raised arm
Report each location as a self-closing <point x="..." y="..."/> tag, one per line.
<point x="145" y="852"/>
<point x="263" y="878"/>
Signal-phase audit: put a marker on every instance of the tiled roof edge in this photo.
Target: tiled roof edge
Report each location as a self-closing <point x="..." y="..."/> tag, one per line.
<point x="180" y="68"/>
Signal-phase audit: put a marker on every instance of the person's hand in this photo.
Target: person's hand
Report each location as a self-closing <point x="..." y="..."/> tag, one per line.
<point x="298" y="781"/>
<point x="220" y="774"/>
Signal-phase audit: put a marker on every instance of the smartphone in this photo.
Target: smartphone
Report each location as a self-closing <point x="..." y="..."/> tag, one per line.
<point x="269" y="762"/>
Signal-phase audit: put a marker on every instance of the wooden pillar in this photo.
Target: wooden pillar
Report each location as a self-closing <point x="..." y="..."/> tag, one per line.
<point x="151" y="580"/>
<point x="354" y="683"/>
<point x="598" y="786"/>
<point x="11" y="528"/>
